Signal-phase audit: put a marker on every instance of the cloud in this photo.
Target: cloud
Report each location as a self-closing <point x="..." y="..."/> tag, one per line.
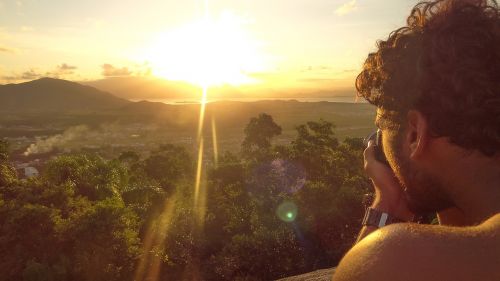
<point x="349" y="70"/>
<point x="30" y="75"/>
<point x="64" y="69"/>
<point x="60" y="71"/>
<point x="316" y="68"/>
<point x="6" y="50"/>
<point x="346" y="8"/>
<point x="27" y="28"/>
<point x="109" y="70"/>
<point x="142" y="69"/>
<point x="316" y="80"/>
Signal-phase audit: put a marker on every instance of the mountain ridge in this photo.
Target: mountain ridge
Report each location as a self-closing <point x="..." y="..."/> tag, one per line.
<point x="56" y="95"/>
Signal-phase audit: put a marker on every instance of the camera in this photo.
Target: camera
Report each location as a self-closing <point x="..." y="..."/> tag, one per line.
<point x="379" y="152"/>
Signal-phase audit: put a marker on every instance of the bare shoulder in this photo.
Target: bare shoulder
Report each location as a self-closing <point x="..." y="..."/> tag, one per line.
<point x="424" y="252"/>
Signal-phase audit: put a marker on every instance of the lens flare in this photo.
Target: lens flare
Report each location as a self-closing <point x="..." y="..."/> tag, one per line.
<point x="203" y="103"/>
<point x="199" y="138"/>
<point x="199" y="167"/>
<point x="214" y="142"/>
<point x="154" y="243"/>
<point x="287" y="211"/>
<point x="291" y="174"/>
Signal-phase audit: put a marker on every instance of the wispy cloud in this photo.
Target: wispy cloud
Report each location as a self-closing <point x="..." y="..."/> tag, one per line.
<point x="61" y="71"/>
<point x="346" y="8"/>
<point x="27" y="28"/>
<point x="316" y="68"/>
<point x="6" y="50"/>
<point x="27" y="75"/>
<point x="109" y="70"/>
<point x="66" y="68"/>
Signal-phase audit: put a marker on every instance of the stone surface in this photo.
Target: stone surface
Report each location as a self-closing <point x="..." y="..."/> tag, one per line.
<point x="318" y="275"/>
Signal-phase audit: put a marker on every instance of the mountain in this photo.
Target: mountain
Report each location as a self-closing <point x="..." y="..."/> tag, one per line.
<point x="157" y="89"/>
<point x="55" y="95"/>
<point x="152" y="88"/>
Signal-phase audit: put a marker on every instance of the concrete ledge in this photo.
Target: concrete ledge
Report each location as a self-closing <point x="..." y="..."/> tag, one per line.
<point x="318" y="275"/>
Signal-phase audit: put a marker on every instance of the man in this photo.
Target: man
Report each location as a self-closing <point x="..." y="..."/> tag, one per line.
<point x="436" y="85"/>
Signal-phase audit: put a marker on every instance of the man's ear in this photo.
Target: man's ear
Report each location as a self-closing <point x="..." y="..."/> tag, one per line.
<point x="417" y="133"/>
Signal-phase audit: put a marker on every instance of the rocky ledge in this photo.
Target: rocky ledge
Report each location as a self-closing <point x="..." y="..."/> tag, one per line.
<point x="318" y="275"/>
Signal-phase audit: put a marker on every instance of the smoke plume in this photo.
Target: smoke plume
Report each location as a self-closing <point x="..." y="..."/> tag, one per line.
<point x="49" y="144"/>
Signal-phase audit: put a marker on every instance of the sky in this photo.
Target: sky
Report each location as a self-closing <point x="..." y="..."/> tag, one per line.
<point x="283" y="43"/>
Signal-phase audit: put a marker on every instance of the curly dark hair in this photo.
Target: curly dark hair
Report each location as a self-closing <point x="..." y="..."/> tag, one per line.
<point x="446" y="64"/>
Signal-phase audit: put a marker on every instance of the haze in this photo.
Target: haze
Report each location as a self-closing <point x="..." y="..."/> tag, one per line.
<point x="302" y="47"/>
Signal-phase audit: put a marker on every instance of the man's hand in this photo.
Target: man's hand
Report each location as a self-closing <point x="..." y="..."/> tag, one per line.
<point x="389" y="196"/>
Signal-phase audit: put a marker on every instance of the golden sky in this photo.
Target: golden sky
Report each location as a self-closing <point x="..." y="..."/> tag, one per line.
<point x="282" y="43"/>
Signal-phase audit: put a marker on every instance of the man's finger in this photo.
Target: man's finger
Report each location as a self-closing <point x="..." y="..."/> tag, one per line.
<point x="369" y="152"/>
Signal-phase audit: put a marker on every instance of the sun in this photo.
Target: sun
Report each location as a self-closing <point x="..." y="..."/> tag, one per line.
<point x="207" y="52"/>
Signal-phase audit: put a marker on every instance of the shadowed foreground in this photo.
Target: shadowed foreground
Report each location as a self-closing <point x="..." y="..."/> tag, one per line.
<point x="318" y="275"/>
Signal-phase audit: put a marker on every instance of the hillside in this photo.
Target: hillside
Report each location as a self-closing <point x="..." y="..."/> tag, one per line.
<point x="153" y="88"/>
<point x="350" y="118"/>
<point x="55" y="95"/>
<point x="144" y="88"/>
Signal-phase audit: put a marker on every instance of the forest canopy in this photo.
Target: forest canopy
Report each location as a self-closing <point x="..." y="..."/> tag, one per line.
<point x="267" y="212"/>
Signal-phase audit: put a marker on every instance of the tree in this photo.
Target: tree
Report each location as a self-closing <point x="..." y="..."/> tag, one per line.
<point x="258" y="134"/>
<point x="314" y="147"/>
<point x="4" y="150"/>
<point x="50" y="230"/>
<point x="86" y="218"/>
<point x="93" y="177"/>
<point x="104" y="241"/>
<point x="129" y="157"/>
<point x="168" y="165"/>
<point x="8" y="174"/>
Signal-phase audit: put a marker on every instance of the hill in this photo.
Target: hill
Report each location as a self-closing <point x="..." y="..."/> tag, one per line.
<point x="230" y="113"/>
<point x="351" y="119"/>
<point x="55" y="95"/>
<point x="153" y="88"/>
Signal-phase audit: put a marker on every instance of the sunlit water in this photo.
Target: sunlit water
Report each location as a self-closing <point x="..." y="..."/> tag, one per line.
<point x="180" y="101"/>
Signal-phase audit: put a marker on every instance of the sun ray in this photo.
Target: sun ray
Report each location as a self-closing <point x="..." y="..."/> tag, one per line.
<point x="154" y="243"/>
<point x="214" y="142"/>
<point x="201" y="120"/>
<point x="199" y="167"/>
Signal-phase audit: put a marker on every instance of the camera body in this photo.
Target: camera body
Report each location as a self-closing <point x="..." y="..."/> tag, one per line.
<point x="376" y="137"/>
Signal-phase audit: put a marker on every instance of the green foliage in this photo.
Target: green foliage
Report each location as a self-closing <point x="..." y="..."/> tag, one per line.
<point x="4" y="151"/>
<point x="92" y="176"/>
<point x="354" y="143"/>
<point x="87" y="218"/>
<point x="168" y="165"/>
<point x="105" y="239"/>
<point x="315" y="147"/>
<point x="50" y="230"/>
<point x="8" y="174"/>
<point x="258" y="134"/>
<point x="129" y="157"/>
<point x="265" y="254"/>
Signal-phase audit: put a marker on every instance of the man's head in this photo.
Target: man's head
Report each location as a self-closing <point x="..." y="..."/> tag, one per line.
<point x="436" y="78"/>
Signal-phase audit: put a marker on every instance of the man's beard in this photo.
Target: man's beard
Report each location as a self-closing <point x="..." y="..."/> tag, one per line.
<point x="423" y="191"/>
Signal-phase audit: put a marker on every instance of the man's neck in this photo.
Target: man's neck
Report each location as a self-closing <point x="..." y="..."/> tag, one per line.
<point x="475" y="191"/>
